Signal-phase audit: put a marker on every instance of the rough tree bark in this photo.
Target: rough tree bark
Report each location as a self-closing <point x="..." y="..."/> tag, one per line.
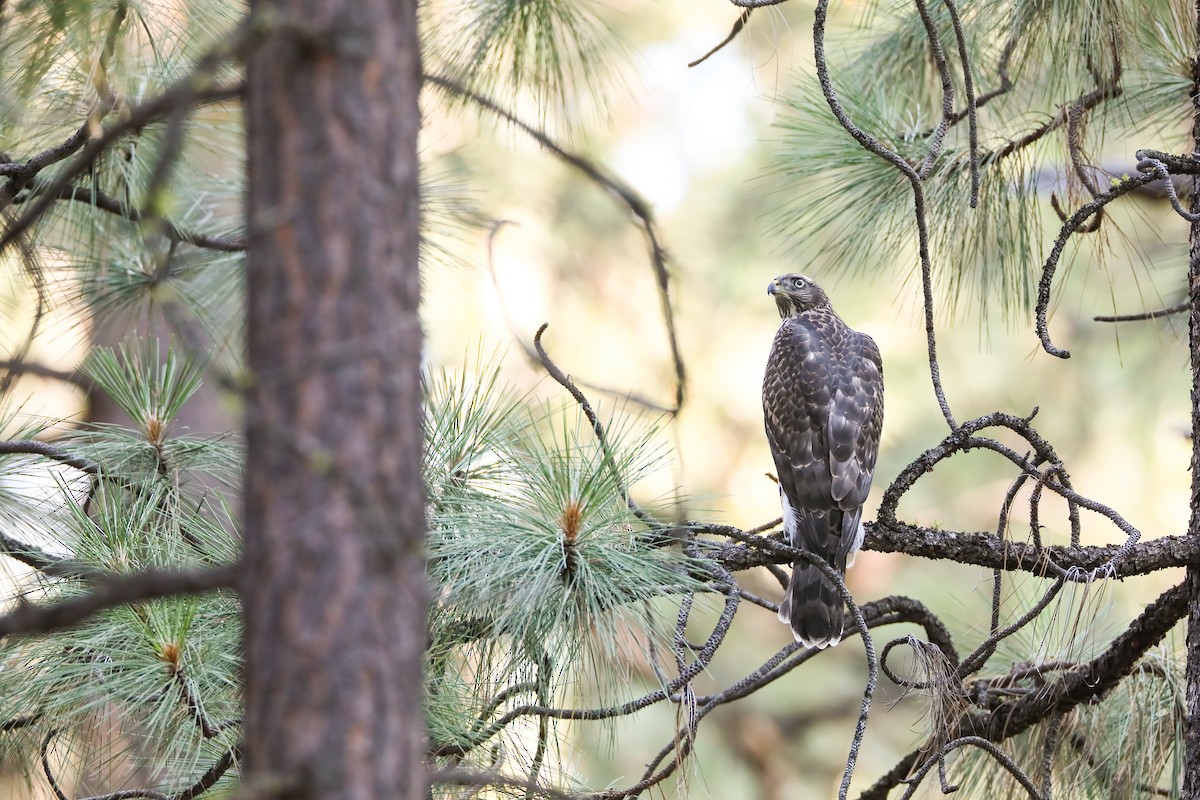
<point x="1191" y="741"/>
<point x="333" y="574"/>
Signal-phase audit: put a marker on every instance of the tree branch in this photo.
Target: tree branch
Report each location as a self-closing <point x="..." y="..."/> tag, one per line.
<point x="22" y="367"/>
<point x="1144" y="315"/>
<point x="1069" y="227"/>
<point x="35" y="447"/>
<point x="138" y="118"/>
<point x="1086" y="683"/>
<point x="114" y="590"/>
<point x="636" y="204"/>
<point x="738" y="24"/>
<point x="1191" y="717"/>
<point x="105" y="202"/>
<point x="202" y="784"/>
<point x="983" y="744"/>
<point x="916" y="181"/>
<point x="985" y="549"/>
<point x="1085" y="102"/>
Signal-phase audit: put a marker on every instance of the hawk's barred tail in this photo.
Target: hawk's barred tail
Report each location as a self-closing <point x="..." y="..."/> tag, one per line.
<point x="814" y="608"/>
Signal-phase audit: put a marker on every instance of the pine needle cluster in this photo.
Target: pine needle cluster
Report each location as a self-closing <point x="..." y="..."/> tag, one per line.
<point x="836" y="200"/>
<point x="162" y="673"/>
<point x="543" y="586"/>
<point x="543" y="582"/>
<point x="558" y="59"/>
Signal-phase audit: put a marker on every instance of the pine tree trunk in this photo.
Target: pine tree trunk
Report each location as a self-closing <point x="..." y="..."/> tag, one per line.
<point x="334" y="586"/>
<point x="1191" y="750"/>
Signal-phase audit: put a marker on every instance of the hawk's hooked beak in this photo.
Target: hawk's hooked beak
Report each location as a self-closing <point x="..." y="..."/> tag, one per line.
<point x="773" y="287"/>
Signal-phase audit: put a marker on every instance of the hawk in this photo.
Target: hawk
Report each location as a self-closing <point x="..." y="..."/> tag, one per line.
<point x="823" y="409"/>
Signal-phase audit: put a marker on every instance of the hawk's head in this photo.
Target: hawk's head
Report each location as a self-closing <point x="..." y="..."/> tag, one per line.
<point x="795" y="294"/>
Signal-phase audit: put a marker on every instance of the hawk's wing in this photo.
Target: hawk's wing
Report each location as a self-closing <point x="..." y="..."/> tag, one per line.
<point x="796" y="401"/>
<point x="823" y="406"/>
<point x="855" y="418"/>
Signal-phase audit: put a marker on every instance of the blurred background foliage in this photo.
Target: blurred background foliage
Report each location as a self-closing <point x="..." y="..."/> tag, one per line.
<point x="748" y="177"/>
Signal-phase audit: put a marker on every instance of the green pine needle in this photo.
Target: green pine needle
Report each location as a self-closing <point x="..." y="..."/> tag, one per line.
<point x="150" y="389"/>
<point x="558" y="54"/>
<point x="543" y="585"/>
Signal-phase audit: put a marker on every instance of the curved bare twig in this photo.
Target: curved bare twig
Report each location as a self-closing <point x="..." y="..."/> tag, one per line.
<point x="1144" y="315"/>
<point x="983" y="744"/>
<point x="1042" y="309"/>
<point x="638" y="206"/>
<point x="738" y="24"/>
<point x="915" y="179"/>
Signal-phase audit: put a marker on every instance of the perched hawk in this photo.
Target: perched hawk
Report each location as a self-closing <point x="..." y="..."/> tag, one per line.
<point x="823" y="407"/>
